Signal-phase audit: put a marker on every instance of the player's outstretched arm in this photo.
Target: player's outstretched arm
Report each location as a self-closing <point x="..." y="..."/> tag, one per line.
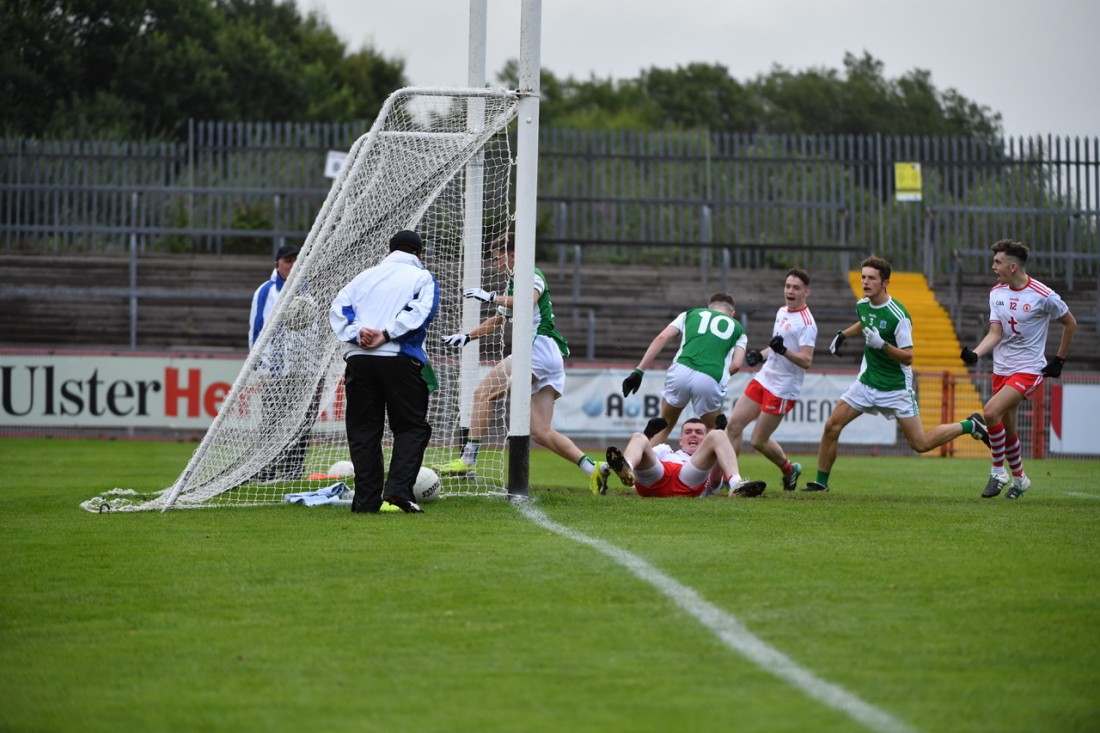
<point x="738" y="359"/>
<point x="1069" y="327"/>
<point x="846" y="333"/>
<point x="985" y="346"/>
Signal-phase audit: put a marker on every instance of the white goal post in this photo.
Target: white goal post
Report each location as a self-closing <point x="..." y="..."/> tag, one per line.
<point x="437" y="161"/>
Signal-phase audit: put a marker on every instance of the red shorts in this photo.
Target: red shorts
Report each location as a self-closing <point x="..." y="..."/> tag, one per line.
<point x="670" y="484"/>
<point x="768" y="402"/>
<point x="1023" y="383"/>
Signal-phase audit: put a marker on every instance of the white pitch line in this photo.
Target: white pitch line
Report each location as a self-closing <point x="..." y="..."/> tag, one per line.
<point x="1083" y="496"/>
<point x="728" y="629"/>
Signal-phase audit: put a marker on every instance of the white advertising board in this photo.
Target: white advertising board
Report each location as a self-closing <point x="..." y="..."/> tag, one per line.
<point x="593" y="406"/>
<point x="92" y="390"/>
<point x="1073" y="411"/>
<point x="165" y="391"/>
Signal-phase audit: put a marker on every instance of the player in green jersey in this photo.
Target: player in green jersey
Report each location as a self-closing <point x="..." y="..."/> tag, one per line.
<point x="885" y="383"/>
<point x="547" y="375"/>
<point x="712" y="347"/>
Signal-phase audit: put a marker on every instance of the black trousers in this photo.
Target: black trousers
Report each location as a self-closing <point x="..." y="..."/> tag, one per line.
<point x="376" y="387"/>
<point x="289" y="464"/>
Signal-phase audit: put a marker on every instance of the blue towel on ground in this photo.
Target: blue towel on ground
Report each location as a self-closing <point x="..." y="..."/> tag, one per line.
<point x="327" y="495"/>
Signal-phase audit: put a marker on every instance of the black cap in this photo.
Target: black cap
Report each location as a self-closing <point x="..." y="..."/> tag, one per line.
<point x="406" y="240"/>
<point x="287" y="250"/>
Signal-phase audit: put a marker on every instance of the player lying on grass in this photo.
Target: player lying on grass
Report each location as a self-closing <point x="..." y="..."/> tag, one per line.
<point x="712" y="347"/>
<point x="772" y="393"/>
<point x="1020" y="311"/>
<point x="705" y="460"/>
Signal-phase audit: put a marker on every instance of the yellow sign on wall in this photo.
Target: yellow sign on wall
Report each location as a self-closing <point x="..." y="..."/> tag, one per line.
<point x="907" y="184"/>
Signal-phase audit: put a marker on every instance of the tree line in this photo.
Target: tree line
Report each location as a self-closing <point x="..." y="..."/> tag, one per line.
<point x="141" y="68"/>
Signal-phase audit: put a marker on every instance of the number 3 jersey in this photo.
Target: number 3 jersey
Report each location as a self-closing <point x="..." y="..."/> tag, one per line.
<point x="707" y="340"/>
<point x="1025" y="317"/>
<point x="779" y="375"/>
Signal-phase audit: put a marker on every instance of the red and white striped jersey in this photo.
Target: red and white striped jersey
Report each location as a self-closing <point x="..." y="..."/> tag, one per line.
<point x="1025" y="317"/>
<point x="779" y="375"/>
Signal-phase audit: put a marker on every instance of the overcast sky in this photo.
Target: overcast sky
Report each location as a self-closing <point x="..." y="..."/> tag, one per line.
<point x="1035" y="61"/>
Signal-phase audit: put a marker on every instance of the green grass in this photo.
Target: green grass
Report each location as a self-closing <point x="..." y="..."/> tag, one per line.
<point x="944" y="610"/>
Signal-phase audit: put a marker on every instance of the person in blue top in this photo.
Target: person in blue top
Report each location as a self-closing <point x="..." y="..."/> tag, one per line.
<point x="277" y="377"/>
<point x="382" y="317"/>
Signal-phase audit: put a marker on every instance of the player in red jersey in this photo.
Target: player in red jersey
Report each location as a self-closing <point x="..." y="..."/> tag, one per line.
<point x="1020" y="311"/>
<point x="705" y="461"/>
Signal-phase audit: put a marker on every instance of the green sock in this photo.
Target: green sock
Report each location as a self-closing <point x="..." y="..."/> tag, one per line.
<point x="823" y="478"/>
<point x="967" y="426"/>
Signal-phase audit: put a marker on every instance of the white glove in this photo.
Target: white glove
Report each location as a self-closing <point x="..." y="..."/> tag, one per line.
<point x="834" y="346"/>
<point x="457" y="340"/>
<point x="506" y="312"/>
<point x="874" y="339"/>
<point x="483" y="295"/>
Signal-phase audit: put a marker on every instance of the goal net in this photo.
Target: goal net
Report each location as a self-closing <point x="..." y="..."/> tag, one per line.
<point x="437" y="161"/>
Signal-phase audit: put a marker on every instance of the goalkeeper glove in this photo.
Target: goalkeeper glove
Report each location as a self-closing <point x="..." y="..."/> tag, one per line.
<point x="874" y="339"/>
<point x="968" y="356"/>
<point x="457" y="340"/>
<point x="1054" y="366"/>
<point x="834" y="347"/>
<point x="777" y="345"/>
<point x="632" y="383"/>
<point x="483" y="295"/>
<point x="753" y="358"/>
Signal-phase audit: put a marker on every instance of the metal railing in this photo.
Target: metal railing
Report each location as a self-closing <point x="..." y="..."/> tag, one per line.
<point x="667" y="198"/>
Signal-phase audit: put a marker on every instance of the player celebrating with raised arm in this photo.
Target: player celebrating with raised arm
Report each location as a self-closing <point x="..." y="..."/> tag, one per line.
<point x="773" y="391"/>
<point x="706" y="458"/>
<point x="1020" y="311"/>
<point x="547" y="374"/>
<point x="885" y="383"/>
<point x="712" y="347"/>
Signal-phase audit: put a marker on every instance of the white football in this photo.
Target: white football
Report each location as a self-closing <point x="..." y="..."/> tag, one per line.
<point x="342" y="468"/>
<point x="427" y="487"/>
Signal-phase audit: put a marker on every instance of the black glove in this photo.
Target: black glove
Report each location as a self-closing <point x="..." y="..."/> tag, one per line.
<point x="721" y="421"/>
<point x="777" y="345"/>
<point x="1054" y="366"/>
<point x="968" y="356"/>
<point x="834" y="347"/>
<point x="632" y="383"/>
<point x="753" y="358"/>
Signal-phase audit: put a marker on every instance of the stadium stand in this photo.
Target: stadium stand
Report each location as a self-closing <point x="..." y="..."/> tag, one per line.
<point x="200" y="303"/>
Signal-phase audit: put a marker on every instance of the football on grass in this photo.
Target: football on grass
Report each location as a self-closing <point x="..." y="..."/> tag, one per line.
<point x="427" y="486"/>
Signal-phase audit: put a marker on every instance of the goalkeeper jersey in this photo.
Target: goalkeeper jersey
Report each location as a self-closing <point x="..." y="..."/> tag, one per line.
<point x="878" y="370"/>
<point x="544" y="324"/>
<point x="707" y="340"/>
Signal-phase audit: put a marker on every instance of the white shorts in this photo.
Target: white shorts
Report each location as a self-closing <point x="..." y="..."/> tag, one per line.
<point x="547" y="367"/>
<point x="896" y="404"/>
<point x="684" y="384"/>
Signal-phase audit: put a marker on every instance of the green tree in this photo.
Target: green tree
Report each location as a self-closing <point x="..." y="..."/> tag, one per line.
<point x="858" y="99"/>
<point x="133" y="68"/>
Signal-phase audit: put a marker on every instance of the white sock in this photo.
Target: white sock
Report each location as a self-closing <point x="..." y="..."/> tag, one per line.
<point x="469" y="452"/>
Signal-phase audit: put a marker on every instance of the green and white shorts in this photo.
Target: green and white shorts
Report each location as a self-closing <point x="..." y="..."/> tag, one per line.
<point x="893" y="404"/>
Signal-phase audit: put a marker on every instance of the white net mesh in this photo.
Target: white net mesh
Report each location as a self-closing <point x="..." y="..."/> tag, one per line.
<point x="437" y="161"/>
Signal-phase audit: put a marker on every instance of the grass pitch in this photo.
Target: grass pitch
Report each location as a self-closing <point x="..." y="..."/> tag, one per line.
<point x="901" y="586"/>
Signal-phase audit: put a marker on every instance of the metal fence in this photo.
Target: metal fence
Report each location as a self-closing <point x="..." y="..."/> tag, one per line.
<point x="604" y="196"/>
